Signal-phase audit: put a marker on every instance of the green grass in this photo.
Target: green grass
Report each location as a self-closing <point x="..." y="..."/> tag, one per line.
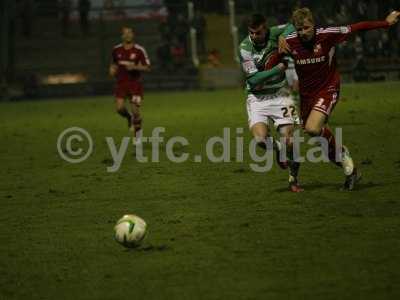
<point x="216" y="231"/>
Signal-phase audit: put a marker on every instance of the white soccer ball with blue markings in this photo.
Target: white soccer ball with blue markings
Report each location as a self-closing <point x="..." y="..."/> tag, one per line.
<point x="130" y="231"/>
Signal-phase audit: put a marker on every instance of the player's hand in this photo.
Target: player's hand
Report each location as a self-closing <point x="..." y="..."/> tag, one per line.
<point x="282" y="67"/>
<point x="131" y="66"/>
<point x="127" y="64"/>
<point x="113" y="70"/>
<point x="134" y="66"/>
<point x="283" y="46"/>
<point x="138" y="67"/>
<point x="393" y="17"/>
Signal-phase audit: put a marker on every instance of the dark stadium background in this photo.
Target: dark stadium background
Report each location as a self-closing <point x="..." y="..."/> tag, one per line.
<point x="43" y="43"/>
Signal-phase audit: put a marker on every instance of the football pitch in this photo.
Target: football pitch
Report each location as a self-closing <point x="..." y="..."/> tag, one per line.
<point x="216" y="230"/>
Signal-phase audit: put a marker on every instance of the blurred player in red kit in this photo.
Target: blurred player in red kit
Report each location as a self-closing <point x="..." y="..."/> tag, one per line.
<point x="129" y="60"/>
<point x="313" y="51"/>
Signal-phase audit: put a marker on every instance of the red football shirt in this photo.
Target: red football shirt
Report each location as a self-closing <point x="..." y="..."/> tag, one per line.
<point x="315" y="63"/>
<point x="136" y="54"/>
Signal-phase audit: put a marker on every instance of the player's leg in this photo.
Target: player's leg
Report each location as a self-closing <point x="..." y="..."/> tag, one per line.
<point x="316" y="125"/>
<point x="260" y="131"/>
<point x="285" y="117"/>
<point x="136" y="102"/>
<point x="286" y="131"/>
<point x="121" y="109"/>
<point x="258" y="111"/>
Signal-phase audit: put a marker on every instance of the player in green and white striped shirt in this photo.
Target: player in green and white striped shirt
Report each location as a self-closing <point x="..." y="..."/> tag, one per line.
<point x="268" y="96"/>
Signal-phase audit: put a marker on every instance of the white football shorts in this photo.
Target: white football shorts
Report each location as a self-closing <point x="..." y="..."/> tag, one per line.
<point x="281" y="110"/>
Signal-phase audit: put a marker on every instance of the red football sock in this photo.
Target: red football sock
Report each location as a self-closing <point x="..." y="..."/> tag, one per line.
<point x="328" y="135"/>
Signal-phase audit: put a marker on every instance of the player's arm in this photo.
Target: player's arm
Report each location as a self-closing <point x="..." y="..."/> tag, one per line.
<point x="284" y="29"/>
<point x="343" y="32"/>
<point x="390" y="20"/>
<point x="254" y="76"/>
<point x="289" y="28"/>
<point x="112" y="70"/>
<point x="283" y="45"/>
<point x="279" y="33"/>
<point x="137" y="67"/>
<point x="262" y="76"/>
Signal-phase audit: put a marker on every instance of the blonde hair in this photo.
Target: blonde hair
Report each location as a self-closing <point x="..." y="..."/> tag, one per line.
<point x="302" y="14"/>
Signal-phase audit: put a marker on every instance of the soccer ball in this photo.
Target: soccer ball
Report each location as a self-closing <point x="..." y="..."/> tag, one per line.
<point x="130" y="231"/>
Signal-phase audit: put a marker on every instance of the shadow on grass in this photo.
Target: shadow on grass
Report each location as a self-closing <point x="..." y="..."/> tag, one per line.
<point x="333" y="187"/>
<point x="149" y="248"/>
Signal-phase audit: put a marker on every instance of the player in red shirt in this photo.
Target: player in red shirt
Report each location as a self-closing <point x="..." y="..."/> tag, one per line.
<point x="129" y="60"/>
<point x="313" y="50"/>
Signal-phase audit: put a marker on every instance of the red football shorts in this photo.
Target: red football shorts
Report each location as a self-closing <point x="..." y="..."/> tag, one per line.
<point x="324" y="102"/>
<point x="128" y="89"/>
